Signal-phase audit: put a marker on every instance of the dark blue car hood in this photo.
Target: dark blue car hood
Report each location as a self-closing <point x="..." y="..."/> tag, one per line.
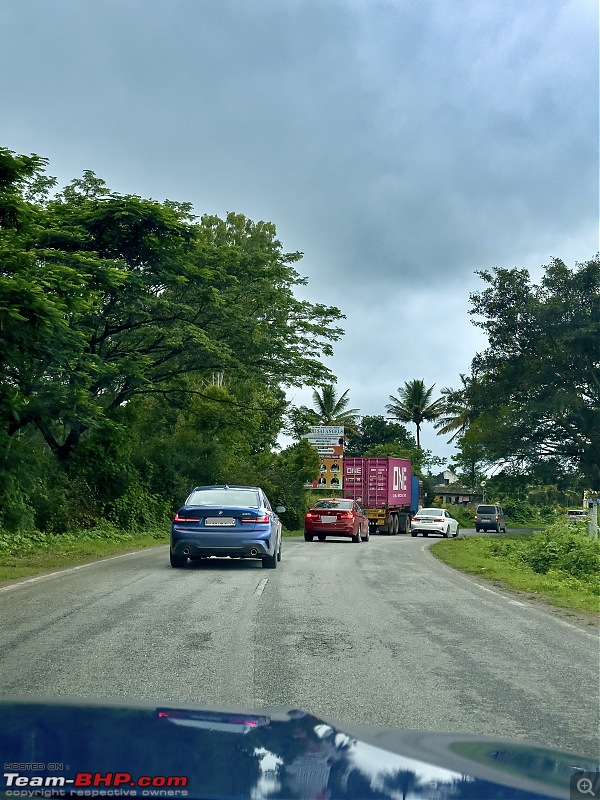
<point x="109" y="749"/>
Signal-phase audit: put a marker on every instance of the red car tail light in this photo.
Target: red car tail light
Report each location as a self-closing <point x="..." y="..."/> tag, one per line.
<point x="177" y="518"/>
<point x="310" y="515"/>
<point x="346" y="515"/>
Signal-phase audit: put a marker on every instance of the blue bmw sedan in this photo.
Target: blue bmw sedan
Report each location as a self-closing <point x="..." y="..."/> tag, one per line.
<point x="234" y="521"/>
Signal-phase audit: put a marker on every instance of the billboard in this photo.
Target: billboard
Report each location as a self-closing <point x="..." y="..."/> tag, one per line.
<point x="330" y="474"/>
<point x="328" y="441"/>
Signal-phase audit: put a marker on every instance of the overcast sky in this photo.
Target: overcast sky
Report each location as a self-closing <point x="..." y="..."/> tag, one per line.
<point x="399" y="144"/>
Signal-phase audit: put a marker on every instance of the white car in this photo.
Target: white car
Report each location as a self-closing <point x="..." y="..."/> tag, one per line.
<point x="434" y="520"/>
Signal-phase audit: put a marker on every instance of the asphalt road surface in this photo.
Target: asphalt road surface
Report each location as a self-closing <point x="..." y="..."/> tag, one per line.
<point x="379" y="633"/>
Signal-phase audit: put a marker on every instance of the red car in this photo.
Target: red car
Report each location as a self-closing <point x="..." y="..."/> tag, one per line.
<point x="334" y="516"/>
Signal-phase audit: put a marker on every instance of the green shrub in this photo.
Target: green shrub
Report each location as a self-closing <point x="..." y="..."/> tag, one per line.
<point x="563" y="547"/>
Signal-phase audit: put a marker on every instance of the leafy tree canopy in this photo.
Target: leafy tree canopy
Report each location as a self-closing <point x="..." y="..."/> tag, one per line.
<point x="376" y="430"/>
<point x="535" y="390"/>
<point x="106" y="297"/>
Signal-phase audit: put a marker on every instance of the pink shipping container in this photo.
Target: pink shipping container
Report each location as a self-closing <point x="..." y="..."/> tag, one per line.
<point x="382" y="486"/>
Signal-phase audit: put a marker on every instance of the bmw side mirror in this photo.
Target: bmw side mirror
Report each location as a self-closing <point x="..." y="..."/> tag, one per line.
<point x="280" y="509"/>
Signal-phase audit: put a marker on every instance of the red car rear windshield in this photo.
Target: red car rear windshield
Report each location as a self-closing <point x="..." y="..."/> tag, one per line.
<point x="344" y="504"/>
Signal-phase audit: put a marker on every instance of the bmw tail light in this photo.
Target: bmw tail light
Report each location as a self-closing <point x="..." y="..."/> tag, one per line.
<point x="264" y="519"/>
<point x="310" y="515"/>
<point x="177" y="518"/>
<point x="346" y="515"/>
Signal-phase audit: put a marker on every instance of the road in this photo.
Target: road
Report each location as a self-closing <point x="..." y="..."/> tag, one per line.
<point x="379" y="632"/>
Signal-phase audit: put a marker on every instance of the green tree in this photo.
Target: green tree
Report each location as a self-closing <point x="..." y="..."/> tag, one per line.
<point x="142" y="297"/>
<point x="289" y="471"/>
<point x="414" y="404"/>
<point x="535" y="390"/>
<point x="469" y="461"/>
<point x="455" y="414"/>
<point x="142" y="351"/>
<point x="333" y="410"/>
<point x="376" y="430"/>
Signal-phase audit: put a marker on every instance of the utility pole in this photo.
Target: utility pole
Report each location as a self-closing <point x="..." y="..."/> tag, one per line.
<point x="592" y="504"/>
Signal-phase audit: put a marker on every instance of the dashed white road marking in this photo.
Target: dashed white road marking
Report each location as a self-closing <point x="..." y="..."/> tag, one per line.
<point x="261" y="586"/>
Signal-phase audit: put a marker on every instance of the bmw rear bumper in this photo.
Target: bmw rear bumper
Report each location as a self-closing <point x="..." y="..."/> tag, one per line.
<point x="193" y="547"/>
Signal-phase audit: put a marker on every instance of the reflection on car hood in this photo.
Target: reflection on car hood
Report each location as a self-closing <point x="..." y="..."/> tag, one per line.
<point x="105" y="748"/>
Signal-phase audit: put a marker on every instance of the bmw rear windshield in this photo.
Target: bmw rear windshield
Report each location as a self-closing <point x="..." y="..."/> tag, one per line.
<point x="221" y="496"/>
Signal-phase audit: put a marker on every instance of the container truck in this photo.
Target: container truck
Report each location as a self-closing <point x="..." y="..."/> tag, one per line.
<point x="386" y="490"/>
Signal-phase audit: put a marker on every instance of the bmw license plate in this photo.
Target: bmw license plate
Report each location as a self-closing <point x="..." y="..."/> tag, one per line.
<point x="328" y="519"/>
<point x="221" y="521"/>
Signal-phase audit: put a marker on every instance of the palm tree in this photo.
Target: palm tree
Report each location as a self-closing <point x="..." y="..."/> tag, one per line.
<point x="456" y="414"/>
<point x="413" y="404"/>
<point x="332" y="410"/>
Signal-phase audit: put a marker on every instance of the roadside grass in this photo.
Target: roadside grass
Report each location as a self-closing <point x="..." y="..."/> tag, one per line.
<point x="25" y="555"/>
<point x="559" y="565"/>
<point x="30" y="554"/>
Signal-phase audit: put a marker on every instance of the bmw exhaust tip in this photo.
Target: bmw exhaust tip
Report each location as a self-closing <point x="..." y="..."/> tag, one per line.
<point x="254" y="552"/>
<point x="186" y="551"/>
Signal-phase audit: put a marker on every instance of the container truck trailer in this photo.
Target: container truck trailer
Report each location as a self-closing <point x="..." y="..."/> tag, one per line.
<point x="386" y="490"/>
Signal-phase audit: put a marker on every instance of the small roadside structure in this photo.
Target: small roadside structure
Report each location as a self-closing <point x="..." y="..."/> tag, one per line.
<point x="448" y="491"/>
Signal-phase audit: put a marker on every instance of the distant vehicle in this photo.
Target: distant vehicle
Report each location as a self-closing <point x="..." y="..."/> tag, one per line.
<point x="577" y="515"/>
<point x="490" y="518"/>
<point x="334" y="516"/>
<point x="234" y="521"/>
<point x="385" y="488"/>
<point x="434" y="520"/>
